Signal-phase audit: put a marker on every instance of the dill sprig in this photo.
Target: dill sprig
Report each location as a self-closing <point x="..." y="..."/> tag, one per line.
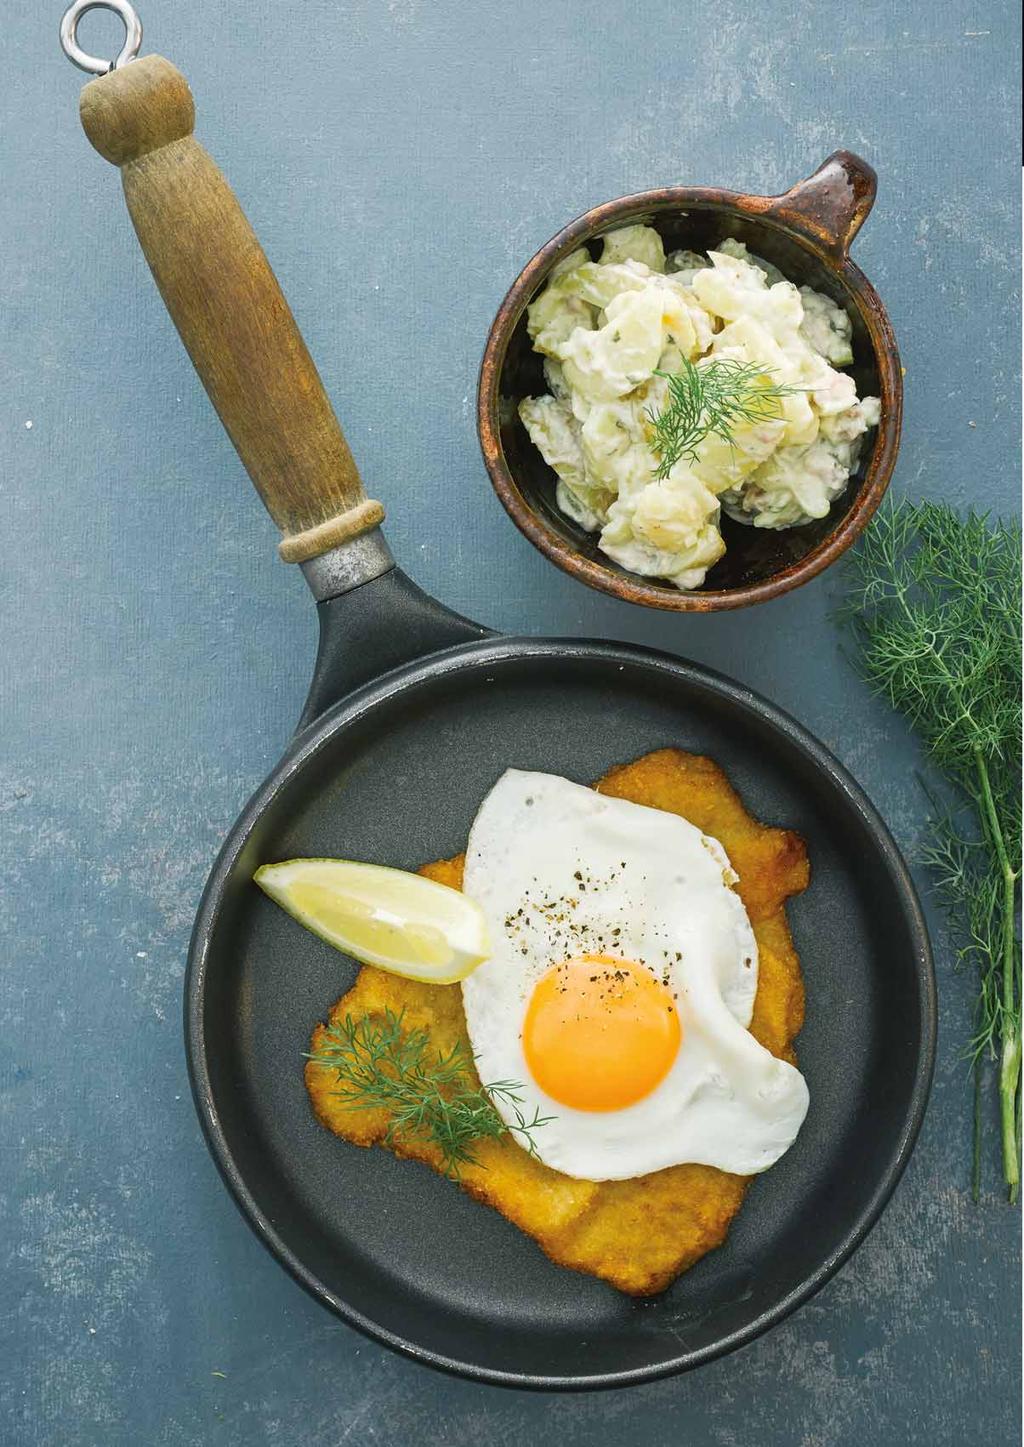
<point x="713" y="398"/>
<point x="935" y="605"/>
<point x="435" y="1096"/>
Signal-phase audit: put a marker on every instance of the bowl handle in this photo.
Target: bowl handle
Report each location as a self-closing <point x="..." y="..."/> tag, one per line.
<point x="831" y="206"/>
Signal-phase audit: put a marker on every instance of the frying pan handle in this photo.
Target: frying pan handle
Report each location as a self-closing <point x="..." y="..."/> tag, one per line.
<point x="228" y="308"/>
<point x="831" y="206"/>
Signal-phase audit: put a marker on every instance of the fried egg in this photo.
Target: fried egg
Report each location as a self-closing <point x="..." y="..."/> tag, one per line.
<point x="620" y="987"/>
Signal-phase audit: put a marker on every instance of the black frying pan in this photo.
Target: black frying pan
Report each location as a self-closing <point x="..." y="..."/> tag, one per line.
<point x="412" y="715"/>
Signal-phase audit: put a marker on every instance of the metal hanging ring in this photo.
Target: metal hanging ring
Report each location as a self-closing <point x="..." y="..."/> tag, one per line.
<point x="94" y="64"/>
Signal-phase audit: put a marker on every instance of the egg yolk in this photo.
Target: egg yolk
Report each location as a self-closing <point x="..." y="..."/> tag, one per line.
<point x="600" y="1033"/>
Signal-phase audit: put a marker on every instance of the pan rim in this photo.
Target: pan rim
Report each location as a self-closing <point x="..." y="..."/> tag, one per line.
<point x="498" y="651"/>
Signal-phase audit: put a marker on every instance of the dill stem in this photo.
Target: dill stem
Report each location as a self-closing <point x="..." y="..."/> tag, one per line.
<point x="976" y="1142"/>
<point x="1010" y="1060"/>
<point x="1009" y="1076"/>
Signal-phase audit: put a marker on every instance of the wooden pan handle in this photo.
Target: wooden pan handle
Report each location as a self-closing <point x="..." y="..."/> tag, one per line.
<point x="228" y="308"/>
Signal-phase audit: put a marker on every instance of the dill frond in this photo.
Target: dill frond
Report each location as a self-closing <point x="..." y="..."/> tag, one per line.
<point x="711" y="399"/>
<point x="382" y="1065"/>
<point x="934" y="604"/>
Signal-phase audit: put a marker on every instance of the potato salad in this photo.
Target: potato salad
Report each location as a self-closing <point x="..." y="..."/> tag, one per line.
<point x="624" y="336"/>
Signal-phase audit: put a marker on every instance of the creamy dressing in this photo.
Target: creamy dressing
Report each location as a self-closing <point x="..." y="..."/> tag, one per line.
<point x="605" y="327"/>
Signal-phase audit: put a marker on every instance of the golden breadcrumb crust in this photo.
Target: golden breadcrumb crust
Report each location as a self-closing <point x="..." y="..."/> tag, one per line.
<point x="640" y="1234"/>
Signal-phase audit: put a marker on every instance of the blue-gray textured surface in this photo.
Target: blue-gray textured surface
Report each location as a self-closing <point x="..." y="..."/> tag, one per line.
<point x="401" y="161"/>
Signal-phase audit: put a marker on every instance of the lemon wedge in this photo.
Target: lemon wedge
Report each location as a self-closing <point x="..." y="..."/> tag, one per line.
<point x="400" y="922"/>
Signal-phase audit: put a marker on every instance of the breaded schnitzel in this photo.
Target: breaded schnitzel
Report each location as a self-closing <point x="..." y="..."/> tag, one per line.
<point x="638" y="1234"/>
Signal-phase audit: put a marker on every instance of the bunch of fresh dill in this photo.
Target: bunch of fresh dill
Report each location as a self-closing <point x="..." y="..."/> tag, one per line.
<point x="934" y="602"/>
<point x="713" y="398"/>
<point x="382" y="1065"/>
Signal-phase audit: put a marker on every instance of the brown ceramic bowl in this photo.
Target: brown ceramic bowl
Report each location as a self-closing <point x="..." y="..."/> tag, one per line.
<point x="807" y="234"/>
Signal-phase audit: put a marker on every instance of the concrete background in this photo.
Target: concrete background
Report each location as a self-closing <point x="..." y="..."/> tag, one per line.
<point x="401" y="161"/>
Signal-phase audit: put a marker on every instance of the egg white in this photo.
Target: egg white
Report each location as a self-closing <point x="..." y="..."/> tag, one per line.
<point x="560" y="870"/>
